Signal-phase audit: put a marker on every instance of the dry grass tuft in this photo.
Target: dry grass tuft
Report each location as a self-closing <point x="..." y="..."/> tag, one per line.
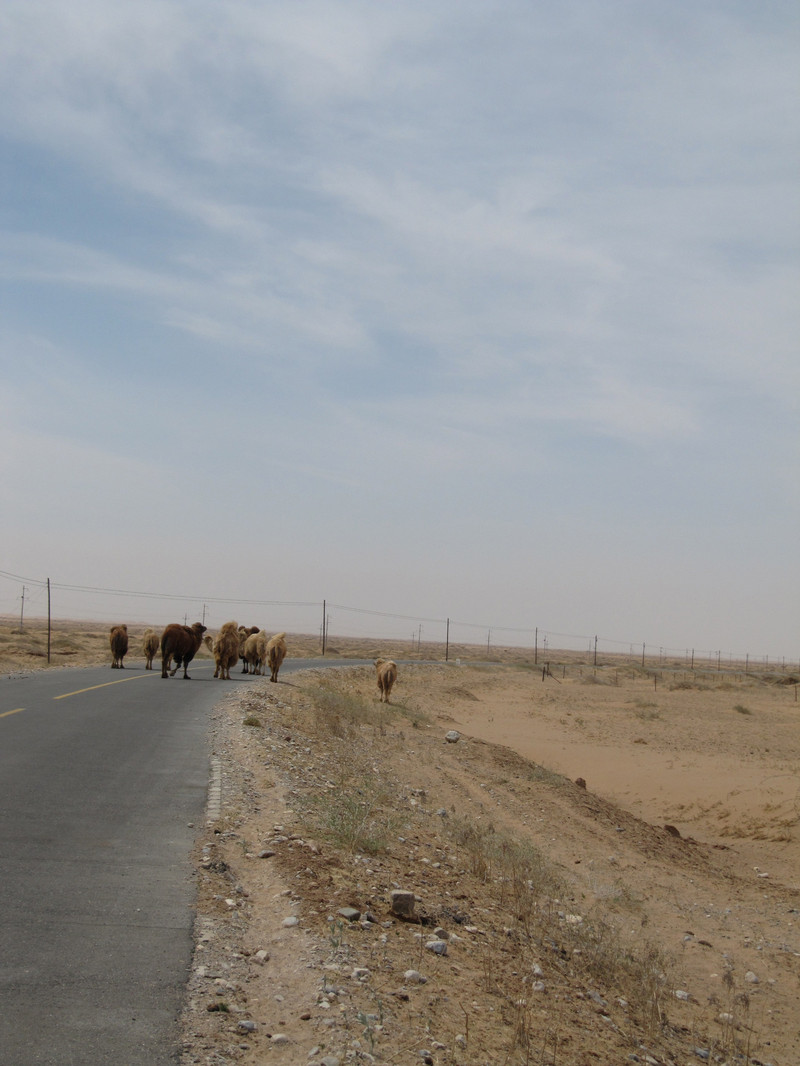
<point x="529" y="889"/>
<point x="355" y="814"/>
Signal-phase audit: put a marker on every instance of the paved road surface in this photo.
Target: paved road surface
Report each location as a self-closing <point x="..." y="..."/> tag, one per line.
<point x="103" y="773"/>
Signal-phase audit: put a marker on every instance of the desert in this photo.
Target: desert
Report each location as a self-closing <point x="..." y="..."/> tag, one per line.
<point x="602" y="859"/>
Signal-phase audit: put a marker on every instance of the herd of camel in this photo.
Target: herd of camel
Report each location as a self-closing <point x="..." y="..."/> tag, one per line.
<point x="233" y="642"/>
<point x="181" y="643"/>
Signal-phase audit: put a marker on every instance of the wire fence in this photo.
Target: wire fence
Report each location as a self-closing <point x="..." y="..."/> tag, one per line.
<point x="26" y="597"/>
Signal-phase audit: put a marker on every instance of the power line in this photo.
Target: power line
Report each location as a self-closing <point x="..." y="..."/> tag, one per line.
<point x="31" y="583"/>
<point x="102" y="591"/>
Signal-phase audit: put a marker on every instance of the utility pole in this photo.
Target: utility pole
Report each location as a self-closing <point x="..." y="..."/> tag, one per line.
<point x="22" y="608"/>
<point x="536" y="647"/>
<point x="595" y="650"/>
<point x="48" y="620"/>
<point x="447" y="642"/>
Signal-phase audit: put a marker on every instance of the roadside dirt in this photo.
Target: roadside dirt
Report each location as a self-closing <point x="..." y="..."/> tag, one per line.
<point x="650" y="916"/>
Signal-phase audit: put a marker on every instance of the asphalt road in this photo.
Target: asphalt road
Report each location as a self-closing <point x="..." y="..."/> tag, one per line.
<point x="103" y="778"/>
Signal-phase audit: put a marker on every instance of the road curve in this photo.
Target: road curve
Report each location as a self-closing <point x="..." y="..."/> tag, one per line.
<point x="103" y="777"/>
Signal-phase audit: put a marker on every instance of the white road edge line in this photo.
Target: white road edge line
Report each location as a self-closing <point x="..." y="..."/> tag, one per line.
<point x="214" y="805"/>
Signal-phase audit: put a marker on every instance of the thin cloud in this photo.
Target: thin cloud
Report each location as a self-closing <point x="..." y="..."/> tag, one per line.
<point x="526" y="276"/>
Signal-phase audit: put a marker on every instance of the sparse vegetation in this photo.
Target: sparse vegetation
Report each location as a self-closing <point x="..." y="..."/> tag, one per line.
<point x="530" y="889"/>
<point x="646" y="710"/>
<point x="573" y="925"/>
<point x="338" y="710"/>
<point x="354" y="814"/>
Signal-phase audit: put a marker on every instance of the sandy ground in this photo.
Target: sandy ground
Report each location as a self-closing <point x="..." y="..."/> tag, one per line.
<point x="672" y="753"/>
<point x="632" y="942"/>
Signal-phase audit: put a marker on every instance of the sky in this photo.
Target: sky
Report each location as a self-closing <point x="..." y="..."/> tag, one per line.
<point x="454" y="309"/>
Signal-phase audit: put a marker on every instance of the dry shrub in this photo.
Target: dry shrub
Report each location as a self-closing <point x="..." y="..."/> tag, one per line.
<point x="647" y="711"/>
<point x="528" y="887"/>
<point x="638" y="973"/>
<point x="355" y="815"/>
<point x="338" y="710"/>
<point x="478" y="841"/>
<point x="357" y="812"/>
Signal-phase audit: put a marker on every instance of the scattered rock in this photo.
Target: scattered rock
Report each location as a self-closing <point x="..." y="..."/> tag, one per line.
<point x="336" y="940"/>
<point x="438" y="947"/>
<point x="403" y="903"/>
<point x="453" y="736"/>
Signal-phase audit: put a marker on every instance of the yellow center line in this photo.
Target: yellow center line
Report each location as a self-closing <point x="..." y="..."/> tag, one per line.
<point x="105" y="684"/>
<point x="16" y="710"/>
<point x="120" y="680"/>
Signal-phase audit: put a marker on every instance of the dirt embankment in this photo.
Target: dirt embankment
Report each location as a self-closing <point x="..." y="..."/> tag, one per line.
<point x="650" y="916"/>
